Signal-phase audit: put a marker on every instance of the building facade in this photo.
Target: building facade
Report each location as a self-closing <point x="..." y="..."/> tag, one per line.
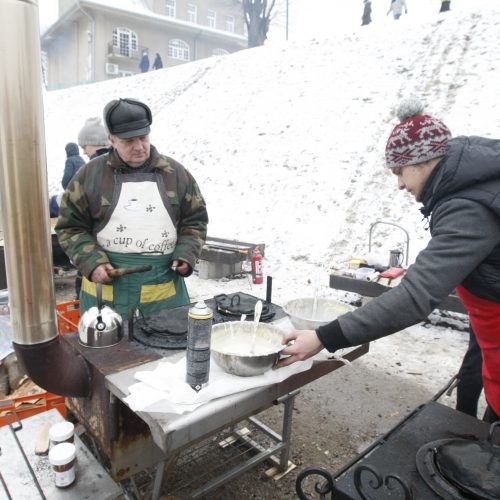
<point x="96" y="40"/>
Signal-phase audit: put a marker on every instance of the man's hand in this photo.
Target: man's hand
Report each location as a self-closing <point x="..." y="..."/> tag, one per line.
<point x="180" y="267"/>
<point x="306" y="344"/>
<point x="100" y="273"/>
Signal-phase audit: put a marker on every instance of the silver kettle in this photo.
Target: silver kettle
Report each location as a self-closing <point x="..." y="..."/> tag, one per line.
<point x="100" y="326"/>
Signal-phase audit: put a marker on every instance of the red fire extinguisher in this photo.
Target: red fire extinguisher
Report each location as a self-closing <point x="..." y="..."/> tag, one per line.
<point x="257" y="274"/>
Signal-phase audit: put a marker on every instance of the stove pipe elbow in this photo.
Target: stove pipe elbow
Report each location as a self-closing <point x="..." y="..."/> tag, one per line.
<point x="55" y="367"/>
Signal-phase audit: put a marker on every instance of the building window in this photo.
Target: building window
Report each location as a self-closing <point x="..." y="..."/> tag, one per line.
<point x="170" y="8"/>
<point x="124" y="73"/>
<point x="212" y="18"/>
<point x="125" y="41"/>
<point x="220" y="52"/>
<point x="192" y="13"/>
<point x="178" y="49"/>
<point x="229" y="23"/>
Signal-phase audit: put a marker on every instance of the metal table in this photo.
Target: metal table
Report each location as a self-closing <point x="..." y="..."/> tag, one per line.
<point x="92" y="481"/>
<point x="374" y="289"/>
<point x="171" y="433"/>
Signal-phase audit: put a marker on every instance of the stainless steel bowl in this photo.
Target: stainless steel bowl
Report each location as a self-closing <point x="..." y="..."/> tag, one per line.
<point x="233" y="347"/>
<point x="300" y="311"/>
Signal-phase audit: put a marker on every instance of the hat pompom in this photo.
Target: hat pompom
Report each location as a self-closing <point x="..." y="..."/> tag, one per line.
<point x="408" y="108"/>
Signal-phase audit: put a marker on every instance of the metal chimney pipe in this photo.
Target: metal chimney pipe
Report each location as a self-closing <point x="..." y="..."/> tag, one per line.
<point x="24" y="205"/>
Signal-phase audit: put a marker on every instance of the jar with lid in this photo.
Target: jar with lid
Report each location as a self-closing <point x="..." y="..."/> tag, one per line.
<point x="62" y="432"/>
<point x="62" y="457"/>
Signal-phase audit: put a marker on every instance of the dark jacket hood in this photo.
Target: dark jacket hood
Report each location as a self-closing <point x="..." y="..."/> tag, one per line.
<point x="72" y="149"/>
<point x="469" y="161"/>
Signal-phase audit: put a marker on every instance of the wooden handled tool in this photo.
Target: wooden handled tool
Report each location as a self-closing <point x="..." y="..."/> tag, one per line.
<point x="120" y="271"/>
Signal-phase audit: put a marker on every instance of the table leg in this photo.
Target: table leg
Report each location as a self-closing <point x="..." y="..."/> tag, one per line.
<point x="163" y="470"/>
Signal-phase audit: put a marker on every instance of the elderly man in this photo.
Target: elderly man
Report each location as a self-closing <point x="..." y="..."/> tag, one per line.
<point x="133" y="207"/>
<point x="458" y="182"/>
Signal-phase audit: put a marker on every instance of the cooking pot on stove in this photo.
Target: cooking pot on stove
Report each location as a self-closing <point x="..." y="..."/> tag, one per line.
<point x="100" y="326"/>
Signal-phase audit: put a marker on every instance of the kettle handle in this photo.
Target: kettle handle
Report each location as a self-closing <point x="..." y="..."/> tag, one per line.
<point x="100" y="325"/>
<point x="98" y="287"/>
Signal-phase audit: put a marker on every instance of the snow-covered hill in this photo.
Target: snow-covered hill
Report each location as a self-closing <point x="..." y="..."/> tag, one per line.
<point x="287" y="140"/>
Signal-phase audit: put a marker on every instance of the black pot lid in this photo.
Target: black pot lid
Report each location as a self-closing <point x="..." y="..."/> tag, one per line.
<point x="240" y="303"/>
<point x="165" y="330"/>
<point x="472" y="466"/>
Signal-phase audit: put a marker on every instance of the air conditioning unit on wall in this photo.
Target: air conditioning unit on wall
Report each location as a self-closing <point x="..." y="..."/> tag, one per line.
<point x="111" y="69"/>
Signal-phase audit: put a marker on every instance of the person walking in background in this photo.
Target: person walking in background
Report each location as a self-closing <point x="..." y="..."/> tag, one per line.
<point x="158" y="63"/>
<point x="144" y="63"/>
<point x="93" y="138"/>
<point x="367" y="13"/>
<point x="133" y="207"/>
<point x="457" y="180"/>
<point x="445" y="6"/>
<point x="73" y="162"/>
<point x="396" y="8"/>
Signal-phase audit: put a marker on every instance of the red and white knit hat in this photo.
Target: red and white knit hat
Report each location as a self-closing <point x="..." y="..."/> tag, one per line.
<point x="418" y="138"/>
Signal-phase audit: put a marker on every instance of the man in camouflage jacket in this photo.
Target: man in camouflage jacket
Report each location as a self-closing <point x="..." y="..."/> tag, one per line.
<point x="130" y="207"/>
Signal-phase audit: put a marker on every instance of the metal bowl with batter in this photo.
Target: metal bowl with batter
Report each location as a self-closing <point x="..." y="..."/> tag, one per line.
<point x="305" y="316"/>
<point x="238" y="352"/>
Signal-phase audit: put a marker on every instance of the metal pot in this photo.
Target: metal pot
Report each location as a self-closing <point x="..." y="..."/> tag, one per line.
<point x="234" y="349"/>
<point x="305" y="315"/>
<point x="100" y="326"/>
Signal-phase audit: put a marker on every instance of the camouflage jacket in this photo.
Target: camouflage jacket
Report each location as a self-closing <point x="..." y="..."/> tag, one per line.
<point x="88" y="198"/>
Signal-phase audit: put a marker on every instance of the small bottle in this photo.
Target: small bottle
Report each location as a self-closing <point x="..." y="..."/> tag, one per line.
<point x="62" y="432"/>
<point x="62" y="457"/>
<point x="257" y="273"/>
<point x="198" y="345"/>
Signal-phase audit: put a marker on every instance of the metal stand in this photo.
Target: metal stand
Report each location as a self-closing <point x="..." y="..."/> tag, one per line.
<point x="390" y="224"/>
<point x="282" y="447"/>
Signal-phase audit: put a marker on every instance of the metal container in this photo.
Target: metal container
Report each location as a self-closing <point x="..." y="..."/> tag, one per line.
<point x="100" y="326"/>
<point x="232" y="344"/>
<point x="305" y="315"/>
<point x="198" y="345"/>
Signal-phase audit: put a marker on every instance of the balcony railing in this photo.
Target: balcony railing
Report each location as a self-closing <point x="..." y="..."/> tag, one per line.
<point x="125" y="52"/>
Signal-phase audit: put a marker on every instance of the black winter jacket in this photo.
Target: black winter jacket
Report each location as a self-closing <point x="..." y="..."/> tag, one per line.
<point x="463" y="196"/>
<point x="73" y="162"/>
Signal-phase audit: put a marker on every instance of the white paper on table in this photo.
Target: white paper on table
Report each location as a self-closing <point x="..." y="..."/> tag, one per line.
<point x="164" y="389"/>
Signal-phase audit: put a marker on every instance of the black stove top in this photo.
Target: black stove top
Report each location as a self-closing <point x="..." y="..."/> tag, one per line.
<point x="390" y="470"/>
<point x="168" y="328"/>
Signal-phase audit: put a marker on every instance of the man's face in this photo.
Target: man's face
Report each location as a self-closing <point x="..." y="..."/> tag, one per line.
<point x="134" y="151"/>
<point x="413" y="177"/>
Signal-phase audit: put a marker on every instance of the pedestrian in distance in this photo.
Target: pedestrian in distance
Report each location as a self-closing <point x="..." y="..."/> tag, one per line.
<point x="73" y="162"/>
<point x="445" y="6"/>
<point x="396" y="8"/>
<point x="158" y="63"/>
<point x="367" y="13"/>
<point x="457" y="180"/>
<point x="133" y="207"/>
<point x="144" y="63"/>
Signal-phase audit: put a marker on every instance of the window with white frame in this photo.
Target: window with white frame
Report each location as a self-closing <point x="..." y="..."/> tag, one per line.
<point x="170" y="8"/>
<point x="124" y="73"/>
<point x="125" y="41"/>
<point x="192" y="13"/>
<point x="178" y="49"/>
<point x="212" y="18"/>
<point x="229" y="23"/>
<point x="219" y="52"/>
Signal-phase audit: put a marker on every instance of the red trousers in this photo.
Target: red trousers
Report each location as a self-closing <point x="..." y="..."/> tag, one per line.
<point x="485" y="320"/>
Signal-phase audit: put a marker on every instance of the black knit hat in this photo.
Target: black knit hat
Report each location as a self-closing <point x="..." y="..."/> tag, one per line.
<point x="127" y="118"/>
